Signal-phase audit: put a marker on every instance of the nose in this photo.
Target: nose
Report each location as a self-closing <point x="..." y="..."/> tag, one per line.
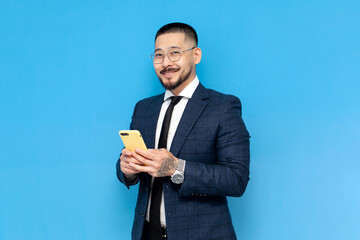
<point x="166" y="62"/>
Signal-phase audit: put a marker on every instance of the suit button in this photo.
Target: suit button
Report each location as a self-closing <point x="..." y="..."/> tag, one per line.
<point x="143" y="215"/>
<point x="192" y="194"/>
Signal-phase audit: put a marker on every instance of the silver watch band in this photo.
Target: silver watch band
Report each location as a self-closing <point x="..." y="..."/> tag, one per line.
<point x="181" y="165"/>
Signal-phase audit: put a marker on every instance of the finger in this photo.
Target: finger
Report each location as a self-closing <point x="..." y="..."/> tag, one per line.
<point x="129" y="171"/>
<point x="124" y="167"/>
<point x="126" y="152"/>
<point x="140" y="168"/>
<point x="127" y="160"/>
<point x="160" y="152"/>
<point x="135" y="161"/>
<point x="156" y="151"/>
<point x="147" y="154"/>
<point x="128" y="166"/>
<point x="142" y="159"/>
<point x="124" y="158"/>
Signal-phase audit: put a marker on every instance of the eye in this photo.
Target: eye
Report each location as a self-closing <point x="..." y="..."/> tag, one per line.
<point x="158" y="55"/>
<point x="174" y="52"/>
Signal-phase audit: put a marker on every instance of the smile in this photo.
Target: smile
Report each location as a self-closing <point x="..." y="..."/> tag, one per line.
<point x="169" y="71"/>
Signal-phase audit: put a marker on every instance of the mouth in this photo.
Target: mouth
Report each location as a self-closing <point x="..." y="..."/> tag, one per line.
<point x="168" y="72"/>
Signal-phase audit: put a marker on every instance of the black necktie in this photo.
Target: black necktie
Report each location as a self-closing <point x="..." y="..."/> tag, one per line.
<point x="157" y="185"/>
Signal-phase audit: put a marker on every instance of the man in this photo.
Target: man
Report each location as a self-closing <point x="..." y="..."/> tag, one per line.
<point x="203" y="153"/>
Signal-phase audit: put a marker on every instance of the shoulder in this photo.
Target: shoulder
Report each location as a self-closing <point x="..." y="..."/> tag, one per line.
<point x="150" y="101"/>
<point x="229" y="111"/>
<point x="224" y="100"/>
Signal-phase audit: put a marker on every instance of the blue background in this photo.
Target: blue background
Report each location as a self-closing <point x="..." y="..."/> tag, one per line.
<point x="72" y="71"/>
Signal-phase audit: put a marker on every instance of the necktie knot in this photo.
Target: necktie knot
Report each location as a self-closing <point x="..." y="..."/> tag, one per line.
<point x="166" y="123"/>
<point x="175" y="100"/>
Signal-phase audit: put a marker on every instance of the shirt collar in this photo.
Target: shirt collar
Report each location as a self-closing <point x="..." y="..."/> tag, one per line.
<point x="187" y="92"/>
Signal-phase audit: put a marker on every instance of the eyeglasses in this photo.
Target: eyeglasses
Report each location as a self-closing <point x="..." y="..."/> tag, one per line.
<point x="174" y="55"/>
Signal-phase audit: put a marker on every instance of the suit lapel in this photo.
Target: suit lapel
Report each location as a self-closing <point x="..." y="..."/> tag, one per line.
<point x="192" y="112"/>
<point x="153" y="113"/>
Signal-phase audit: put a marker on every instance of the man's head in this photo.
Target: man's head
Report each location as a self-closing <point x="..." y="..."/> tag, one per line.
<point x="190" y="33"/>
<point x="175" y="56"/>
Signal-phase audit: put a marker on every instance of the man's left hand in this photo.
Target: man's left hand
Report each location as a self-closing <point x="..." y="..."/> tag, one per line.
<point x="157" y="162"/>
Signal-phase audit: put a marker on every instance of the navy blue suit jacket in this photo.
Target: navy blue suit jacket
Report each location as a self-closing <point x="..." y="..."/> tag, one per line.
<point x="213" y="139"/>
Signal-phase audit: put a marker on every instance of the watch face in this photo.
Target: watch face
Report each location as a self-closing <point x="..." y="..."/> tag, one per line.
<point x="178" y="178"/>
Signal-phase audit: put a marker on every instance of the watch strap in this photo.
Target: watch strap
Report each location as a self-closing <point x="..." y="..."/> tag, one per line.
<point x="181" y="165"/>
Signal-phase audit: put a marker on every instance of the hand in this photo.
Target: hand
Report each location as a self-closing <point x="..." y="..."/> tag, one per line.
<point x="156" y="162"/>
<point x="125" y="159"/>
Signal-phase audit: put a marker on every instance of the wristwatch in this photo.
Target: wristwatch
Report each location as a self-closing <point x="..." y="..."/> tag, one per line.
<point x="178" y="176"/>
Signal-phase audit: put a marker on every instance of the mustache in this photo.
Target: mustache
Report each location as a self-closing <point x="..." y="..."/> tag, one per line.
<point x="169" y="70"/>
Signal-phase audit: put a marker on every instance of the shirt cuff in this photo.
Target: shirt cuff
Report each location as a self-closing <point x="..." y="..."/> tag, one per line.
<point x="131" y="179"/>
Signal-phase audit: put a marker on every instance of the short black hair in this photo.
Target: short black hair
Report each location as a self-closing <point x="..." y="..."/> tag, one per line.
<point x="177" y="27"/>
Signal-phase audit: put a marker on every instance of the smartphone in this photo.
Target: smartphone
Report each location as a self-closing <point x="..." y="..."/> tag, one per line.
<point x="132" y="139"/>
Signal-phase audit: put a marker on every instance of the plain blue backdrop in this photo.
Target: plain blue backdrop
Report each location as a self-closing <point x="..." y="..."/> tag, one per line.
<point x="72" y="71"/>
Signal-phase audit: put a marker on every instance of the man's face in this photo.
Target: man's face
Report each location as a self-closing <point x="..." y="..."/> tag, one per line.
<point x="175" y="76"/>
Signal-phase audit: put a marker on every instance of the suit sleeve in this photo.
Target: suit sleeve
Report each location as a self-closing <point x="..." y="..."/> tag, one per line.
<point x="228" y="175"/>
<point x="120" y="175"/>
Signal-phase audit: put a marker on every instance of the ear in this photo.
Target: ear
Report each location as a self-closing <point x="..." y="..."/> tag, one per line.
<point x="197" y="55"/>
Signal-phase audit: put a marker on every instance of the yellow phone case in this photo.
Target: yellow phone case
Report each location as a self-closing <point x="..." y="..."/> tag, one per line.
<point x="132" y="139"/>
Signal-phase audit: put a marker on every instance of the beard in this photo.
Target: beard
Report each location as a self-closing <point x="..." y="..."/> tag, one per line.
<point x="173" y="85"/>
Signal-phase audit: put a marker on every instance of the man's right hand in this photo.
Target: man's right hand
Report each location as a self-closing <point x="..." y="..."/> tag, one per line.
<point x="126" y="158"/>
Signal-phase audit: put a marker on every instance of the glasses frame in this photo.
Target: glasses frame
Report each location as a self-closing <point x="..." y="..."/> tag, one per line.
<point x="152" y="56"/>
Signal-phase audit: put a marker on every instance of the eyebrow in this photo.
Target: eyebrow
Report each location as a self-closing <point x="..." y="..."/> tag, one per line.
<point x="171" y="47"/>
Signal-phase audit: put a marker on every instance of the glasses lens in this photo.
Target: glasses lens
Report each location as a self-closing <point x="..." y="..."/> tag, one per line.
<point x="174" y="55"/>
<point x="158" y="56"/>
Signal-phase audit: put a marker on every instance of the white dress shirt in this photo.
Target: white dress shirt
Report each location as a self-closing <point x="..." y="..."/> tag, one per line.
<point x="179" y="108"/>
